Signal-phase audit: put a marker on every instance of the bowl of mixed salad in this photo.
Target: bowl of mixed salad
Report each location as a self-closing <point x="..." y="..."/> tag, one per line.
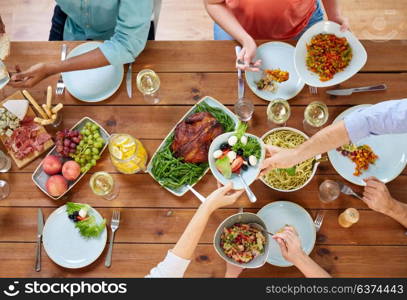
<point x="234" y="153"/>
<point x="240" y="242"/>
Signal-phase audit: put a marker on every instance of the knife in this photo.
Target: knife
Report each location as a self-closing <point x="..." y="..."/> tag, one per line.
<point x="240" y="83"/>
<point x="128" y="81"/>
<point x="40" y="226"/>
<point x="347" y="92"/>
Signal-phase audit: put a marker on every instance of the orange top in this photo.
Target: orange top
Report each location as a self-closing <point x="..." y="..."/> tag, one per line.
<point x="274" y="19"/>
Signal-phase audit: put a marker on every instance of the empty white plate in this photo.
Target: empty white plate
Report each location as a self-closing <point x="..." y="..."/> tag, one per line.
<point x="66" y="246"/>
<point x="359" y="56"/>
<point x="276" y="55"/>
<point x="92" y="85"/>
<point x="280" y="213"/>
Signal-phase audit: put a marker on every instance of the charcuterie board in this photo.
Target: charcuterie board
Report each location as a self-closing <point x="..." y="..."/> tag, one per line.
<point x="33" y="155"/>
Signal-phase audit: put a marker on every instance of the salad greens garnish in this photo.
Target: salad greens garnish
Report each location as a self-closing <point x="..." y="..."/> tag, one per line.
<point x="252" y="146"/>
<point x="87" y="226"/>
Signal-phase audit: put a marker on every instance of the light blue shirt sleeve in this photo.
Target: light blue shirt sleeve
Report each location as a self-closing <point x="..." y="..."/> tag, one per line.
<point x="131" y="32"/>
<point x="383" y="118"/>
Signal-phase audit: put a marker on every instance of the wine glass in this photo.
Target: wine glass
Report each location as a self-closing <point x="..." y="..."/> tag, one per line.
<point x="278" y="112"/>
<point x="103" y="184"/>
<point x="148" y="83"/>
<point x="315" y="116"/>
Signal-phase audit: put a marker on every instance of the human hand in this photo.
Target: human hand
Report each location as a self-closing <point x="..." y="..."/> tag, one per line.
<point x="343" y="21"/>
<point x="247" y="55"/>
<point x="290" y="244"/>
<point x="233" y="271"/>
<point x="377" y="196"/>
<point x="223" y="196"/>
<point x="277" y="158"/>
<point x="29" y="77"/>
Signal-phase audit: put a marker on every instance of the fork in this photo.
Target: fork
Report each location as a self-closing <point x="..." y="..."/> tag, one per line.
<point x="114" y="225"/>
<point x="347" y="190"/>
<point x="60" y="84"/>
<point x="318" y="221"/>
<point x="313" y="90"/>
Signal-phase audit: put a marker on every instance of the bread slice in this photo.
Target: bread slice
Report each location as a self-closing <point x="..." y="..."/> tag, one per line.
<point x="4" y="46"/>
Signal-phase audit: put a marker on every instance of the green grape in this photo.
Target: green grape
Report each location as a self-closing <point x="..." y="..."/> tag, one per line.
<point x="88" y="166"/>
<point x="81" y="143"/>
<point x="95" y="127"/>
<point x="77" y="159"/>
<point x="96" y="135"/>
<point x="82" y="160"/>
<point x="95" y="151"/>
<point x="93" y="162"/>
<point x="83" y="170"/>
<point x="96" y="157"/>
<point x="97" y="145"/>
<point x="87" y="132"/>
<point x="87" y="151"/>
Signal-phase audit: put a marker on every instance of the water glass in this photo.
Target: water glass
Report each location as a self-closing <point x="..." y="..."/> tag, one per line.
<point x="244" y="109"/>
<point x="5" y="162"/>
<point x="4" y="189"/>
<point x="329" y="191"/>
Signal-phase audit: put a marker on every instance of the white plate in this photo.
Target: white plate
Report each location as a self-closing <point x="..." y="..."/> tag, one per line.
<point x="359" y="56"/>
<point x="314" y="170"/>
<point x="64" y="244"/>
<point x="276" y="55"/>
<point x="276" y="215"/>
<point x="93" y="85"/>
<point x="391" y="149"/>
<point x="249" y="176"/>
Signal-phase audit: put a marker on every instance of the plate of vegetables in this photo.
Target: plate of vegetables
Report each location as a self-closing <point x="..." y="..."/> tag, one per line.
<point x="182" y="158"/>
<point x="326" y="56"/>
<point x="76" y="151"/>
<point x="236" y="153"/>
<point x="74" y="235"/>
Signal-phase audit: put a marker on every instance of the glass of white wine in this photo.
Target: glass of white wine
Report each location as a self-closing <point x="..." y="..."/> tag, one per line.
<point x="278" y="112"/>
<point x="103" y="184"/>
<point x="315" y="116"/>
<point x="148" y="83"/>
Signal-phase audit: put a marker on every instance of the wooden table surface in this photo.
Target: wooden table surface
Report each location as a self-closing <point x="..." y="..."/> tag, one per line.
<point x="152" y="218"/>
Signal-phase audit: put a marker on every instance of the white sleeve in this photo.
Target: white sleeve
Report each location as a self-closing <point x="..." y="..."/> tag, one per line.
<point x="171" y="267"/>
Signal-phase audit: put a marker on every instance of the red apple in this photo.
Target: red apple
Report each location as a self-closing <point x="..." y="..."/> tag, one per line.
<point x="71" y="170"/>
<point x="56" y="185"/>
<point x="52" y="165"/>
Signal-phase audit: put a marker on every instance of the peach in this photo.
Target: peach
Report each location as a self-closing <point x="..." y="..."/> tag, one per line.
<point x="52" y="165"/>
<point x="56" y="185"/>
<point x="71" y="170"/>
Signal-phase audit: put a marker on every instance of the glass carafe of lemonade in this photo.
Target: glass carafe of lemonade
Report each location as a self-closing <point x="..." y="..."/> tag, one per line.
<point x="127" y="153"/>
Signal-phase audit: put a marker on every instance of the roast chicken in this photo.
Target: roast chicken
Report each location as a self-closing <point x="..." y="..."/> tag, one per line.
<point x="194" y="136"/>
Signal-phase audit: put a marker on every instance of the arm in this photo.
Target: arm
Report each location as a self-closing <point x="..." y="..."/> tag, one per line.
<point x="128" y="41"/>
<point x="177" y="260"/>
<point x="377" y="197"/>
<point x="291" y="250"/>
<point x="221" y="14"/>
<point x="333" y="13"/>
<point x="328" y="138"/>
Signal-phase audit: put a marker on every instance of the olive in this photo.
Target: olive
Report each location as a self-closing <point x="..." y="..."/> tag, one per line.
<point x="224" y="146"/>
<point x="239" y="152"/>
<point x="244" y="167"/>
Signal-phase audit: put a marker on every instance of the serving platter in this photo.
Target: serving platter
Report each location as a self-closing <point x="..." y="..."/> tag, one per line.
<point x="40" y="177"/>
<point x="391" y="149"/>
<point x="30" y="113"/>
<point x="209" y="101"/>
<point x="65" y="246"/>
<point x="359" y="55"/>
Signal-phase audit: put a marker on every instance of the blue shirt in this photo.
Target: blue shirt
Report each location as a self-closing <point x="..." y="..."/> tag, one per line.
<point x="383" y="118"/>
<point x="123" y="24"/>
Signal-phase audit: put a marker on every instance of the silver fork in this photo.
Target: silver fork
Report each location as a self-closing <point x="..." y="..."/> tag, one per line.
<point x="313" y="90"/>
<point x="318" y="221"/>
<point x="60" y="84"/>
<point x="347" y="190"/>
<point x="114" y="225"/>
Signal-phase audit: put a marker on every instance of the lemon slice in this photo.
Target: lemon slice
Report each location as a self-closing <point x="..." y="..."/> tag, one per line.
<point x="116" y="152"/>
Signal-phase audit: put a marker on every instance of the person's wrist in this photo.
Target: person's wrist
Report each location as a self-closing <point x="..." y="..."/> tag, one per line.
<point x="391" y="208"/>
<point x="299" y="258"/>
<point x="209" y="206"/>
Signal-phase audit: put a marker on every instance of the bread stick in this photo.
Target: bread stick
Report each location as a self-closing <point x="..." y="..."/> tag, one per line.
<point x="35" y="104"/>
<point x="57" y="108"/>
<point x="47" y="111"/>
<point x="49" y="97"/>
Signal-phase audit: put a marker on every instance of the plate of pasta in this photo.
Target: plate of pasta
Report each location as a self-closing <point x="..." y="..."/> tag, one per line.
<point x="293" y="179"/>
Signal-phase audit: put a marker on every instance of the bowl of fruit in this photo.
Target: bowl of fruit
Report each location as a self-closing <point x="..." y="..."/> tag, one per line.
<point x="76" y="151"/>
<point x="234" y="153"/>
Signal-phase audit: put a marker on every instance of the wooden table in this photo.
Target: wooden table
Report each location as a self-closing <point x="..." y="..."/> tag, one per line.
<point x="152" y="218"/>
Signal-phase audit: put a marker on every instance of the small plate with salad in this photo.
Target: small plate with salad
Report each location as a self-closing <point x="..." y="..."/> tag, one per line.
<point x="74" y="235"/>
<point x="236" y="153"/>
